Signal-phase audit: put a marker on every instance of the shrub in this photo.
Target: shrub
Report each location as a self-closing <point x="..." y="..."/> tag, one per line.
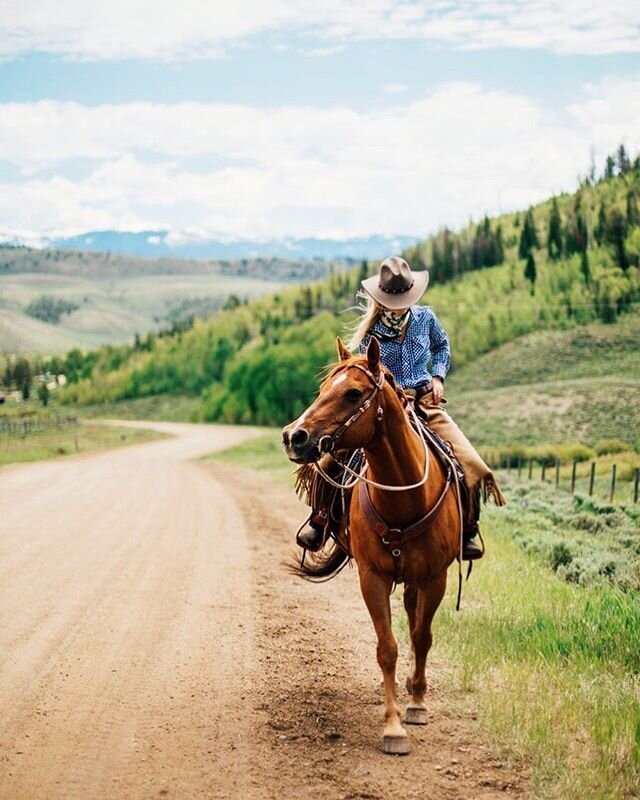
<point x="605" y="446"/>
<point x="560" y="555"/>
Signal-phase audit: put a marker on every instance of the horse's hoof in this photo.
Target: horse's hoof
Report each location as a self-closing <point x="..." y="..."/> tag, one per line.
<point x="416" y="715"/>
<point x="396" y="745"/>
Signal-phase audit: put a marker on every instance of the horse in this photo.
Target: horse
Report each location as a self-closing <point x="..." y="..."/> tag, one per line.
<point x="404" y="519"/>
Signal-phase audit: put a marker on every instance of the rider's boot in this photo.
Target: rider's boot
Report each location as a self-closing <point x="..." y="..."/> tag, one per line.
<point x="472" y="549"/>
<point x="312" y="535"/>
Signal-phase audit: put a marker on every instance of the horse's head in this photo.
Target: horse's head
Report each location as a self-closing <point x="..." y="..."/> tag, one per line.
<point x="344" y="414"/>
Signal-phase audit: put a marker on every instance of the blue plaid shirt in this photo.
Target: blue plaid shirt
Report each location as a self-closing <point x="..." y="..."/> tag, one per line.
<point x="422" y="353"/>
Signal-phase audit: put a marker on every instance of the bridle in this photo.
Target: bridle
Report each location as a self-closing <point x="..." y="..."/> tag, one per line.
<point x="327" y="442"/>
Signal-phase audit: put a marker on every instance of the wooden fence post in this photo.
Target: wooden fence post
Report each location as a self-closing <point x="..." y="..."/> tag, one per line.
<point x="530" y="468"/>
<point x="519" y="466"/>
<point x="592" y="477"/>
<point x="613" y="483"/>
<point x="573" y="476"/>
<point x="544" y="469"/>
<point x="557" y="472"/>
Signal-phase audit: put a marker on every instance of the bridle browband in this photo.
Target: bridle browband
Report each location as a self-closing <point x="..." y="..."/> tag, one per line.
<point x="327" y="442"/>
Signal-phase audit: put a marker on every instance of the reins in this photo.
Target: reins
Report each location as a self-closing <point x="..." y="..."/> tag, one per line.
<point x="328" y="446"/>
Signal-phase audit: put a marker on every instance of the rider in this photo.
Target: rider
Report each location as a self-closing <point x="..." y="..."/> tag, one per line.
<point x="415" y="348"/>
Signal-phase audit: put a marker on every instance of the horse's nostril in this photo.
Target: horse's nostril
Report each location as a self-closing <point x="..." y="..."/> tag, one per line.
<point x="299" y="438"/>
<point x="285" y="439"/>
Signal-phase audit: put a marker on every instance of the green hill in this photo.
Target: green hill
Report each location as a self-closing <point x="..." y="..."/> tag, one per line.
<point x="578" y="386"/>
<point x="260" y="362"/>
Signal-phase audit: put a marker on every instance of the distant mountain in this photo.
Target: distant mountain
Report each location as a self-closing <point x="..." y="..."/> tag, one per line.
<point x="158" y="244"/>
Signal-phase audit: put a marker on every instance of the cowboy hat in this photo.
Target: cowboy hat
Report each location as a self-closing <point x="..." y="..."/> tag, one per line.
<point x="396" y="286"/>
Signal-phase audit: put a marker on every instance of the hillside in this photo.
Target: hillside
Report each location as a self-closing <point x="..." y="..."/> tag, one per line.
<point x="260" y="362"/>
<point x="575" y="386"/>
<point x="108" y="298"/>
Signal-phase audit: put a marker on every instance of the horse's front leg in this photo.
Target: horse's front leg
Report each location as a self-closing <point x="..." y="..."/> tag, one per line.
<point x="425" y="604"/>
<point x="376" y="591"/>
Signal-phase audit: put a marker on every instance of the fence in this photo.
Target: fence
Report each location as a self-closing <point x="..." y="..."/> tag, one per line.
<point x="552" y="472"/>
<point x="24" y="427"/>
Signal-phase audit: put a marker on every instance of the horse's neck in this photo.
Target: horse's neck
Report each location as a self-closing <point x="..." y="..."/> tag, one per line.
<point x="396" y="457"/>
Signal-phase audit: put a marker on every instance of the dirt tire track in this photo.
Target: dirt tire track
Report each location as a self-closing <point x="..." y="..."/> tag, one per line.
<point x="152" y="646"/>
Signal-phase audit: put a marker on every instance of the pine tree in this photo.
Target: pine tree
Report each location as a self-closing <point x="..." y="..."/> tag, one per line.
<point x="530" y="271"/>
<point x="529" y="236"/>
<point x="499" y="245"/>
<point x="554" y="240"/>
<point x="624" y="164"/>
<point x="599" y="230"/>
<point x="615" y="234"/>
<point x="609" y="168"/>
<point x="578" y="233"/>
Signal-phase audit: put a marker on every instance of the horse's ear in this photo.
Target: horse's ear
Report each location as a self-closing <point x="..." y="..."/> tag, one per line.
<point x="343" y="353"/>
<point x="373" y="355"/>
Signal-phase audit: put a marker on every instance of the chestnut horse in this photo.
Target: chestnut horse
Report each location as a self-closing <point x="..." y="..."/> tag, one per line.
<point x="404" y="522"/>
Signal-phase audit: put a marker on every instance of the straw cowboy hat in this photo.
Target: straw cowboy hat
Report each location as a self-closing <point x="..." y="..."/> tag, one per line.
<point x="396" y="286"/>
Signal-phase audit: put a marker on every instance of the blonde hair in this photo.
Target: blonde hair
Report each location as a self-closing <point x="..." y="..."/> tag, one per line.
<point x="370" y="311"/>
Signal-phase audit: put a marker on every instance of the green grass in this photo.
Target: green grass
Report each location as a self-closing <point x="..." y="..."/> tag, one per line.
<point x="594" y="351"/>
<point x="86" y="437"/>
<point x="576" y="386"/>
<point x="551" y="669"/>
<point x="263" y="453"/>
<point x="169" y="408"/>
<point x="577" y="411"/>
<point x="548" y="659"/>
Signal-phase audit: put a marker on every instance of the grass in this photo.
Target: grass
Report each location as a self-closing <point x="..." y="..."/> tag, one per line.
<point x="553" y="387"/>
<point x="551" y="670"/>
<point x="168" y="408"/>
<point x="589" y="351"/>
<point x="264" y="454"/>
<point x="549" y="661"/>
<point x="86" y="437"/>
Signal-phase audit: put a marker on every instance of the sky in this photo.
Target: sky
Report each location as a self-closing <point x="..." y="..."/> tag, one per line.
<point x="260" y="120"/>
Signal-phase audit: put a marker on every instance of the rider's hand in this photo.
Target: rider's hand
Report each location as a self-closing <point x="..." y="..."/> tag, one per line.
<point x="438" y="389"/>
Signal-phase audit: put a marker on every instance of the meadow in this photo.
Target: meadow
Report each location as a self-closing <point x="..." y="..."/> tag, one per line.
<point x="111" y="309"/>
<point x="68" y="438"/>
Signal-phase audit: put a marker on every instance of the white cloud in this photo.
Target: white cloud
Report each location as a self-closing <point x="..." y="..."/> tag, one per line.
<point x="458" y="152"/>
<point x="203" y="28"/>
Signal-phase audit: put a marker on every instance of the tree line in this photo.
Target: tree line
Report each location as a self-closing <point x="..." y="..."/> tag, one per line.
<point x="261" y="361"/>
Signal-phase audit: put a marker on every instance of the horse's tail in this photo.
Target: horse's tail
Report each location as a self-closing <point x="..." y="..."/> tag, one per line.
<point x="321" y="566"/>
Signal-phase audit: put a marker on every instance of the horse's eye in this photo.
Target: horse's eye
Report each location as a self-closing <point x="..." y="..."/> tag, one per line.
<point x="352" y="395"/>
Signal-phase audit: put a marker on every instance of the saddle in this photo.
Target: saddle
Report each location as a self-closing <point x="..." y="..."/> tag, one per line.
<point x="319" y="494"/>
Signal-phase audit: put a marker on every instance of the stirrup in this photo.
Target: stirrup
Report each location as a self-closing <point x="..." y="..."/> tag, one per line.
<point x="311" y="534"/>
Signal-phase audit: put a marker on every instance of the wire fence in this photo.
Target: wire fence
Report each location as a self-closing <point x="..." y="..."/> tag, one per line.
<point x="22" y="427"/>
<point x="611" y="480"/>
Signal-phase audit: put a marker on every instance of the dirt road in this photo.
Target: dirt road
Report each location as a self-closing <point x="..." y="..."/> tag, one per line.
<point x="152" y="646"/>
